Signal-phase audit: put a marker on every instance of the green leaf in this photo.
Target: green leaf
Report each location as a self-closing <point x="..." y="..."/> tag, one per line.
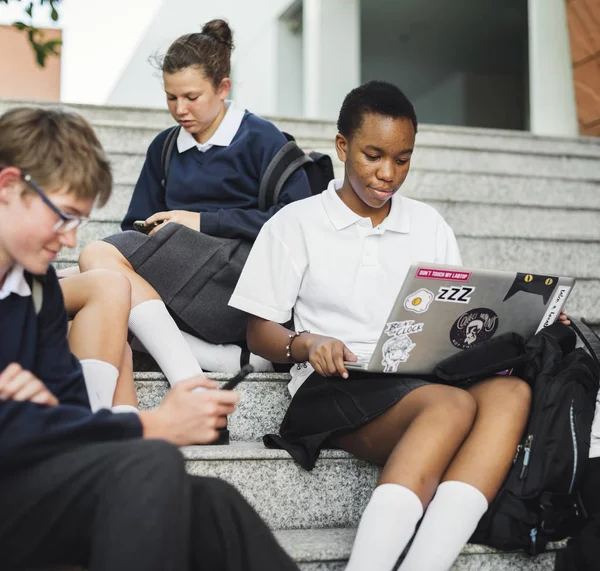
<point x="29" y="10"/>
<point x="20" y="26"/>
<point x="54" y="14"/>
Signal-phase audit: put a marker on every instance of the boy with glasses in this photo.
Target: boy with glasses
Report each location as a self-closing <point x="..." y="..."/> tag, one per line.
<point x="104" y="491"/>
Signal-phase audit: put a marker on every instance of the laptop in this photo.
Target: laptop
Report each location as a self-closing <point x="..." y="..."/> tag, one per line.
<point x="442" y="309"/>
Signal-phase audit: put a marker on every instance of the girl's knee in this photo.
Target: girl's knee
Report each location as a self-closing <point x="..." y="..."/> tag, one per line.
<point x="97" y="254"/>
<point x="511" y="393"/>
<point x="458" y="408"/>
<point x="108" y="286"/>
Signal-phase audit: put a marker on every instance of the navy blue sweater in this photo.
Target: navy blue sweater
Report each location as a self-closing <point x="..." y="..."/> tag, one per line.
<point x="31" y="432"/>
<point x="222" y="183"/>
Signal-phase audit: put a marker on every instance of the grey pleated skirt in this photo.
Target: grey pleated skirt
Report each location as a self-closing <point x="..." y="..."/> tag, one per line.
<point x="195" y="275"/>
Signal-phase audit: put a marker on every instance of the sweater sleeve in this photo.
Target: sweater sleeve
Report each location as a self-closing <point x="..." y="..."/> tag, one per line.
<point x="246" y="223"/>
<point x="148" y="195"/>
<point x="31" y="432"/>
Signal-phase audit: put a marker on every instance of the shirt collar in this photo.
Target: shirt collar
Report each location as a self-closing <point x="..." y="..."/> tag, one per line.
<point x="15" y="282"/>
<point x="222" y="137"/>
<point x="342" y="216"/>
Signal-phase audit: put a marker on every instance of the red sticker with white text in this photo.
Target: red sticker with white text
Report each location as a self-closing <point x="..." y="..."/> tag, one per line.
<point x="449" y="275"/>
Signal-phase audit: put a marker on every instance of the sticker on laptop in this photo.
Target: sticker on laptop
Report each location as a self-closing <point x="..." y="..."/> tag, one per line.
<point x="419" y="301"/>
<point x="397" y="348"/>
<point x="555" y="307"/>
<point x="455" y="294"/>
<point x="473" y="327"/>
<point x="447" y="275"/>
<point x="543" y="286"/>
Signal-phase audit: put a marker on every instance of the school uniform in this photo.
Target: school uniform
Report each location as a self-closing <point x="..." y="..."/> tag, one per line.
<point x="340" y="276"/>
<point x="219" y="179"/>
<point x="78" y="488"/>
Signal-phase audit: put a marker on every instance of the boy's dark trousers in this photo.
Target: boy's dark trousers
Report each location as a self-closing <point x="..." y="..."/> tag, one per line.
<point x="129" y="506"/>
<point x="583" y="552"/>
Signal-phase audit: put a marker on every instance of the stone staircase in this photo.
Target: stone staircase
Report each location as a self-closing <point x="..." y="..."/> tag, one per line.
<point x="515" y="201"/>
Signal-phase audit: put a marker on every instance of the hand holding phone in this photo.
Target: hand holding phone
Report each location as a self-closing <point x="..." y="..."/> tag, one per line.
<point x="235" y="381"/>
<point x="141" y="226"/>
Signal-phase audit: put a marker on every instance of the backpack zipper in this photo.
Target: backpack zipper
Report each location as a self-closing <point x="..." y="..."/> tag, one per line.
<point x="527" y="453"/>
<point x="575" y="451"/>
<point x="533" y="541"/>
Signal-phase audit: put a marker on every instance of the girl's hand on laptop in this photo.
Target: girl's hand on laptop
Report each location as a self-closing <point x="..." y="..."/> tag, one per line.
<point x="18" y="384"/>
<point x="326" y="354"/>
<point x="564" y="319"/>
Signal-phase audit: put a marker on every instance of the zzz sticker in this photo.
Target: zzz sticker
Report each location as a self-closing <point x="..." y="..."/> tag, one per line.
<point x="455" y="294"/>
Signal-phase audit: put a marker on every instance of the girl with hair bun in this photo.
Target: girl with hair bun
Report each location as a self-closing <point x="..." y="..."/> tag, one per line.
<point x="202" y="218"/>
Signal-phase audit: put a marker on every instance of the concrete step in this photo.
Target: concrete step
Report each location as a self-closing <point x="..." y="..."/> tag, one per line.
<point x="473" y="221"/>
<point x="264" y="400"/>
<point x="121" y="122"/>
<point x="453" y="188"/>
<point x="442" y="159"/>
<point x="333" y="494"/>
<point x="449" y="187"/>
<point x="329" y="549"/>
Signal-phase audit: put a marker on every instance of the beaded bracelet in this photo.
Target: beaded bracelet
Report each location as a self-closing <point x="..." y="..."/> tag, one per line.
<point x="288" y="347"/>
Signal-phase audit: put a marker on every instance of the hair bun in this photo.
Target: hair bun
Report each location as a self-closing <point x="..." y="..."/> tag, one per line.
<point x="220" y="31"/>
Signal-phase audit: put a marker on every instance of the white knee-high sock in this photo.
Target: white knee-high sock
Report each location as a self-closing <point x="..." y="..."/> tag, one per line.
<point x="222" y="358"/>
<point x="100" y="382"/>
<point x="386" y="526"/>
<point x="152" y="324"/>
<point x="449" y="522"/>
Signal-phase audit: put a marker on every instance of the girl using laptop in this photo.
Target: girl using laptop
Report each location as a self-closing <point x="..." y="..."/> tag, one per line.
<point x="336" y="260"/>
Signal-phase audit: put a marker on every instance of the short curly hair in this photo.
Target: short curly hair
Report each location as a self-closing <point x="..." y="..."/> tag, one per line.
<point x="379" y="97"/>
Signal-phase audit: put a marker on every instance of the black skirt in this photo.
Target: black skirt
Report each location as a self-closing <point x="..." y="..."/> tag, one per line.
<point x="194" y="274"/>
<point x="330" y="406"/>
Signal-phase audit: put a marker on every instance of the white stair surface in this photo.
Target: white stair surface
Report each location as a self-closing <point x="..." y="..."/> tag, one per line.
<point x="515" y="201"/>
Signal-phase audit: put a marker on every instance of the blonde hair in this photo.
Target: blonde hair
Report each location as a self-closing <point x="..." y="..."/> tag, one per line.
<point x="58" y="148"/>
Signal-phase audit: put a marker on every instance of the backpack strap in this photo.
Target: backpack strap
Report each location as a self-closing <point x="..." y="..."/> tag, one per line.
<point x="37" y="294"/>
<point x="167" y="152"/>
<point x="287" y="160"/>
<point x="588" y="337"/>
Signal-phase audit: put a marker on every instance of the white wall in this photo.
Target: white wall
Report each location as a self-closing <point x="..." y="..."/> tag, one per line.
<point x="255" y="28"/>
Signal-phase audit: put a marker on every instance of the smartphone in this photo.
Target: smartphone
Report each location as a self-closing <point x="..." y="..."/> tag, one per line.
<point x="235" y="381"/>
<point x="141" y="226"/>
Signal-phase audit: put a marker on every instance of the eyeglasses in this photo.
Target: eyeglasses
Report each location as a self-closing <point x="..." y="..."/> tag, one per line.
<point x="67" y="222"/>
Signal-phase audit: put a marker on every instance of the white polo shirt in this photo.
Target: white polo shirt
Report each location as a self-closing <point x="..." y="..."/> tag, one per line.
<point x="340" y="275"/>
<point x="15" y="282"/>
<point x="222" y="137"/>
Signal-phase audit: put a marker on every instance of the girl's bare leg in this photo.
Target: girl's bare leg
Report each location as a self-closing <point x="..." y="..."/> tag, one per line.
<point x="99" y="301"/>
<point x="125" y="390"/>
<point x="416" y="439"/>
<point x="474" y="475"/>
<point x="149" y="319"/>
<point x="102" y="255"/>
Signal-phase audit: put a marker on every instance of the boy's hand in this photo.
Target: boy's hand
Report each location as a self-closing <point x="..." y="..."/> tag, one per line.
<point x="326" y="354"/>
<point x="18" y="384"/>
<point x="564" y="319"/>
<point x="184" y="217"/>
<point x="190" y="417"/>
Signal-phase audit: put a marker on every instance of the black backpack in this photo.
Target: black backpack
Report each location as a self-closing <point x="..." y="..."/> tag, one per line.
<point x="539" y="500"/>
<point x="318" y="168"/>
